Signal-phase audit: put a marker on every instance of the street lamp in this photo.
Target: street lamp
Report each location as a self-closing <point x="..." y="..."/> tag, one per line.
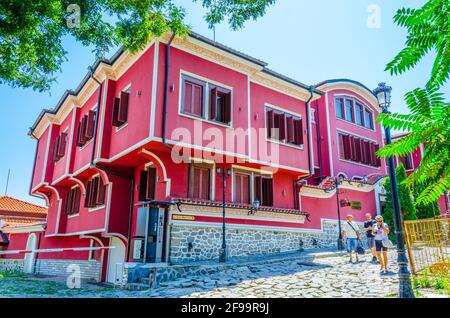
<point x="383" y="94"/>
<point x="223" y="250"/>
<point x="340" y="242"/>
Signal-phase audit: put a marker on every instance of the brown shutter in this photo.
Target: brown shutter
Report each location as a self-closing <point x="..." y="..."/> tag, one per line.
<point x="358" y="149"/>
<point x="346" y="139"/>
<point x="373" y="159"/>
<point x="151" y="184"/>
<point x="68" y="208"/>
<point x="116" y="107"/>
<point x="143" y="185"/>
<point x="123" y="109"/>
<point x="197" y="100"/>
<point x="378" y="160"/>
<point x="282" y="125"/>
<point x="80" y="141"/>
<point x="55" y="149"/>
<point x="298" y="126"/>
<point x="213" y="104"/>
<point x="238" y="188"/>
<point x="187" y="98"/>
<point x="245" y="185"/>
<point x="352" y="147"/>
<point x="88" y="194"/>
<point x="205" y="186"/>
<point x="90" y="125"/>
<point x="62" y="145"/>
<point x="258" y="189"/>
<point x="195" y="185"/>
<point x="227" y="108"/>
<point x="76" y="200"/>
<point x="270" y="123"/>
<point x="94" y="191"/>
<point x="267" y="194"/>
<point x="366" y="152"/>
<point x="290" y="130"/>
<point x="101" y="191"/>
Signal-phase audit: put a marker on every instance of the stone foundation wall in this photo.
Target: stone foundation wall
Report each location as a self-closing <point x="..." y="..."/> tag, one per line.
<point x="11" y="265"/>
<point x="89" y="270"/>
<point x="192" y="243"/>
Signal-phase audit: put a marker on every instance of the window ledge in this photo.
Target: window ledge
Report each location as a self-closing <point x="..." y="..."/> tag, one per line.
<point x="121" y="127"/>
<point x="206" y="120"/>
<point x="70" y="216"/>
<point x="359" y="164"/>
<point x="96" y="208"/>
<point x="355" y="124"/>
<point x="86" y="144"/>
<point x="275" y="141"/>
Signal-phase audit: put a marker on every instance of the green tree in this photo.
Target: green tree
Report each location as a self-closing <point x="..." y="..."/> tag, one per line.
<point x="428" y="122"/>
<point x="32" y="31"/>
<point x="405" y="197"/>
<point x="425" y="211"/>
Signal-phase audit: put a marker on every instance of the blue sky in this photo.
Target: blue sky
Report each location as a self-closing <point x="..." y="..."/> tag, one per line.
<point x="307" y="40"/>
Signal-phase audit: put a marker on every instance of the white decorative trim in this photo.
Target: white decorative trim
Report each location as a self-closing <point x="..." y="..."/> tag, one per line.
<point x="154" y="89"/>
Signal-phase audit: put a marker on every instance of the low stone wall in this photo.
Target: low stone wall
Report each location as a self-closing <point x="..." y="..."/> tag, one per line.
<point x="11" y="265"/>
<point x="193" y="243"/>
<point x="89" y="270"/>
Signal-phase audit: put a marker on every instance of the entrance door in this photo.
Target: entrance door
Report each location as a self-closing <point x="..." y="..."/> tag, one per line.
<point x="155" y="235"/>
<point x="116" y="258"/>
<point x="28" y="265"/>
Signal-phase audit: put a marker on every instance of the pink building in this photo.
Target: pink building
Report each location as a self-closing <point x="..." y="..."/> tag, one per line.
<point x="133" y="159"/>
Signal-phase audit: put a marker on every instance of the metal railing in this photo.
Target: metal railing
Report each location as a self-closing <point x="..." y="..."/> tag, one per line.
<point x="428" y="244"/>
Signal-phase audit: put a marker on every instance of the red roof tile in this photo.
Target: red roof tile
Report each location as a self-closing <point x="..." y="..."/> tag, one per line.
<point x="14" y="211"/>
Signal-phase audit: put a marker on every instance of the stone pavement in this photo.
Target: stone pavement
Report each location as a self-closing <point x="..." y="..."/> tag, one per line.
<point x="293" y="277"/>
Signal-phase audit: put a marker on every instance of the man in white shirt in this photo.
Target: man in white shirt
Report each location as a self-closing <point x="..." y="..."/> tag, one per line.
<point x="350" y="233"/>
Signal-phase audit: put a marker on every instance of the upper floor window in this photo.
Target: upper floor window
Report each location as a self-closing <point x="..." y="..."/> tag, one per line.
<point x="147" y="184"/>
<point x="194" y="100"/>
<point x="356" y="149"/>
<point x="85" y="130"/>
<point x="407" y="162"/>
<point x="95" y="193"/>
<point x="284" y="127"/>
<point x="351" y="110"/>
<point x="200" y="182"/>
<point x="242" y="188"/>
<point x="120" y="109"/>
<point x="73" y="198"/>
<point x="59" y="147"/>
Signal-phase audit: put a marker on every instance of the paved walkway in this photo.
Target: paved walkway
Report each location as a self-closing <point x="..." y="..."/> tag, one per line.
<point x="324" y="277"/>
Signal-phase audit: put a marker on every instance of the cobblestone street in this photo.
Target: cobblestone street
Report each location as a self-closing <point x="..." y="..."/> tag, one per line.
<point x="325" y="277"/>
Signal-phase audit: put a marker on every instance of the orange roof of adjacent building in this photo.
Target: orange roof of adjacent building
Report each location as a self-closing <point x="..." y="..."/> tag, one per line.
<point x="14" y="211"/>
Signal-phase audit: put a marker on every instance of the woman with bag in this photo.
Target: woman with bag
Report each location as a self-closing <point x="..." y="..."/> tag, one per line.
<point x="382" y="242"/>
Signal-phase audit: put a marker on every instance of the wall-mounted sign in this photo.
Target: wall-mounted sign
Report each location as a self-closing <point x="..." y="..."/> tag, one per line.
<point x="181" y="217"/>
<point x="356" y="205"/>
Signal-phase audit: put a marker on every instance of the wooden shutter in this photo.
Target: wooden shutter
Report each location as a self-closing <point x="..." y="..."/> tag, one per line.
<point x="76" y="200"/>
<point x="195" y="183"/>
<point x="245" y="184"/>
<point x="238" y="188"/>
<point x="151" y="183"/>
<point x="282" y="125"/>
<point x="101" y="191"/>
<point x="358" y="149"/>
<point x="270" y="123"/>
<point x="62" y="145"/>
<point x="187" y="98"/>
<point x="213" y="104"/>
<point x="352" y="148"/>
<point x="258" y="189"/>
<point x="143" y="185"/>
<point x="267" y="191"/>
<point x="80" y="140"/>
<point x="346" y="140"/>
<point x="377" y="160"/>
<point x="115" y="117"/>
<point x="68" y="209"/>
<point x="290" y="130"/>
<point x="227" y="108"/>
<point x="366" y="152"/>
<point x="55" y="149"/>
<point x="197" y="100"/>
<point x="123" y="109"/>
<point x="298" y="126"/>
<point x="373" y="159"/>
<point x="204" y="188"/>
<point x="90" y="125"/>
<point x="88" y="194"/>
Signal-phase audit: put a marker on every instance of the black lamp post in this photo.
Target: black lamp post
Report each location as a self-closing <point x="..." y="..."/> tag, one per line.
<point x="340" y="242"/>
<point x="383" y="94"/>
<point x="223" y="250"/>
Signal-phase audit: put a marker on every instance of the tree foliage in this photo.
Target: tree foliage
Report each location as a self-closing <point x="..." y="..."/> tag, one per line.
<point x="32" y="31"/>
<point x="428" y="122"/>
<point x="425" y="211"/>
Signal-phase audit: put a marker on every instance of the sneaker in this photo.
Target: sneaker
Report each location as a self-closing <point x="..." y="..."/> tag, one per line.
<point x="374" y="259"/>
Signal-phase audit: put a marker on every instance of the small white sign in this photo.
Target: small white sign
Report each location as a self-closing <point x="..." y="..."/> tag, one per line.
<point x="137" y="249"/>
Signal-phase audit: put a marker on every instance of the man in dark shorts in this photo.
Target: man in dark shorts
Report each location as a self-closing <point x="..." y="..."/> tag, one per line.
<point x="370" y="237"/>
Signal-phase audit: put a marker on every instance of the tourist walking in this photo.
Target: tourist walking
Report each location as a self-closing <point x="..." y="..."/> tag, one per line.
<point x="381" y="231"/>
<point x="350" y="233"/>
<point x="368" y="229"/>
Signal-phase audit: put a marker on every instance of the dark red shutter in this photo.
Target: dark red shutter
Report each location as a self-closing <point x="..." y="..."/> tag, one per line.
<point x="62" y="145"/>
<point x="116" y="107"/>
<point x="282" y="125"/>
<point x="298" y="126"/>
<point x="213" y="104"/>
<point x="267" y="192"/>
<point x="80" y="140"/>
<point x="346" y="140"/>
<point x="378" y="160"/>
<point x="352" y="148"/>
<point x="245" y="185"/>
<point x="195" y="183"/>
<point x="90" y="125"/>
<point x="68" y="208"/>
<point x="101" y="191"/>
<point x="123" y="109"/>
<point x="358" y="149"/>
<point x="270" y="123"/>
<point x="205" y="176"/>
<point x="151" y="184"/>
<point x="290" y="130"/>
<point x="258" y="189"/>
<point x="143" y="185"/>
<point x="94" y="190"/>
<point x="76" y="200"/>
<point x="227" y="108"/>
<point x="187" y="98"/>
<point x="55" y="149"/>
<point x="238" y="188"/>
<point x="88" y="194"/>
<point x="197" y="100"/>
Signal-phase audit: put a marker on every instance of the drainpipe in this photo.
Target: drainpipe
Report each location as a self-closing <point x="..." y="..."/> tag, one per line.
<point x="34" y="167"/>
<point x="166" y="88"/>
<point x="308" y="122"/>
<point x="319" y="142"/>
